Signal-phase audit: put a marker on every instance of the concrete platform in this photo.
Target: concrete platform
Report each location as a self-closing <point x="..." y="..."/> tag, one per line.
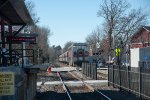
<point x="63" y="69"/>
<point x="58" y="69"/>
<point x="75" y="83"/>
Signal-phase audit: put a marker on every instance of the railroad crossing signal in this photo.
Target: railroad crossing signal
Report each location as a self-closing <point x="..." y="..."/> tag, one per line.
<point x="117" y="50"/>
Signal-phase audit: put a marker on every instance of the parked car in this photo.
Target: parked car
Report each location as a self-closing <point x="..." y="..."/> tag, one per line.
<point x="100" y="64"/>
<point x="125" y="63"/>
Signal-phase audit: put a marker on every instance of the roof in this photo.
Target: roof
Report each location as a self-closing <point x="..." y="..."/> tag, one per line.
<point x="79" y="44"/>
<point x="147" y="28"/>
<point x="142" y="27"/>
<point x="15" y="12"/>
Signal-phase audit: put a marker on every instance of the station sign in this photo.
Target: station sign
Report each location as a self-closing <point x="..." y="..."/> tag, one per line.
<point x="16" y="39"/>
<point x="19" y="38"/>
<point x="22" y="39"/>
<point x="7" y="83"/>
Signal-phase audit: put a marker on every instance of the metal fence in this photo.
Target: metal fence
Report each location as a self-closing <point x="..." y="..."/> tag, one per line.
<point x="136" y="80"/>
<point x="90" y="70"/>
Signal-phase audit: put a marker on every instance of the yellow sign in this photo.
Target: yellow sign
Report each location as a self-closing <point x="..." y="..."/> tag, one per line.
<point x="7" y="83"/>
<point x="117" y="52"/>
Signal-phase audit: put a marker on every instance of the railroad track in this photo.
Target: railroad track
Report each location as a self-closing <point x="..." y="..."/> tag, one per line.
<point x="91" y="92"/>
<point x="64" y="87"/>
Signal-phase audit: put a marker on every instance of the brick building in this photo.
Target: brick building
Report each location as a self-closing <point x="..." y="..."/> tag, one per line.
<point x="141" y="38"/>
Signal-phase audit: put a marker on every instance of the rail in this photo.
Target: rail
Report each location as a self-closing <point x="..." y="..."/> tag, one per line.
<point x="105" y="97"/>
<point x="64" y="86"/>
<point x="91" y="88"/>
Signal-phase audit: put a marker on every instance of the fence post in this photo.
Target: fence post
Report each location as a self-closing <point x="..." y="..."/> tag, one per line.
<point x="128" y="73"/>
<point x="128" y="77"/>
<point x="113" y="74"/>
<point x="141" y="64"/>
<point x="90" y="70"/>
<point x="96" y="71"/>
<point x="85" y="68"/>
<point x="119" y="76"/>
<point x="82" y="68"/>
<point x="108" y="75"/>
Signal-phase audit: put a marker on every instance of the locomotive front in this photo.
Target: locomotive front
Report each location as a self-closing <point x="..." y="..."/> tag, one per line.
<point x="78" y="53"/>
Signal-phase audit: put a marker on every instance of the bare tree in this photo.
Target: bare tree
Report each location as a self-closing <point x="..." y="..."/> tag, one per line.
<point x="67" y="44"/>
<point x="42" y="42"/>
<point x="51" y="53"/>
<point x="30" y="6"/>
<point x="112" y="11"/>
<point x="129" y="24"/>
<point x="119" y="21"/>
<point x="94" y="39"/>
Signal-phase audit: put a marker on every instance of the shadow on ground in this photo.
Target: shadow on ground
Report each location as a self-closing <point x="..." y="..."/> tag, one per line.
<point x="114" y="95"/>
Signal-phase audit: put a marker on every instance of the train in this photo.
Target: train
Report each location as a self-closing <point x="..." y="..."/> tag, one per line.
<point x="75" y="55"/>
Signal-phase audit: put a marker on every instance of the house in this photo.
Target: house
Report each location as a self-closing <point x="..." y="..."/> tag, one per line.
<point x="140" y="46"/>
<point x="141" y="38"/>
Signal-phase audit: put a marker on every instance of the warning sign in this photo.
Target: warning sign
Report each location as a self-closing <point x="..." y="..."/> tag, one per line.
<point x="117" y="52"/>
<point x="6" y="83"/>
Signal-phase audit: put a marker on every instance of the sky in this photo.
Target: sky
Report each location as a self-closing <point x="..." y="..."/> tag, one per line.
<point x="72" y="20"/>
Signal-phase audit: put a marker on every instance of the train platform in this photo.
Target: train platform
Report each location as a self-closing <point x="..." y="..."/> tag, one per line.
<point x="58" y="69"/>
<point x="75" y="83"/>
<point x="70" y="68"/>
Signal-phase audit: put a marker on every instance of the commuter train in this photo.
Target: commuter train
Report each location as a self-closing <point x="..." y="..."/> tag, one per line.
<point x="75" y="55"/>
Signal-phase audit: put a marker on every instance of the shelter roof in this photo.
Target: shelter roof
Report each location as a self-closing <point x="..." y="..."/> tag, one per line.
<point x="15" y="12"/>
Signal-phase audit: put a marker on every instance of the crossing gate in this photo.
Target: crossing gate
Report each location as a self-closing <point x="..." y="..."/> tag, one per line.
<point x="90" y="70"/>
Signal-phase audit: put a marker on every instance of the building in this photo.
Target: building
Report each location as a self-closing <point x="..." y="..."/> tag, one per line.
<point x="141" y="38"/>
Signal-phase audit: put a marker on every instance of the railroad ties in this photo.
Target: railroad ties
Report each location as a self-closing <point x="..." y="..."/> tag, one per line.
<point x="67" y="83"/>
<point x="95" y="94"/>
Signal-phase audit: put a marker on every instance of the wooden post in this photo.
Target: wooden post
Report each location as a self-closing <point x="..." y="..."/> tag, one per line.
<point x="10" y="44"/>
<point x="2" y="33"/>
<point x="4" y="62"/>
